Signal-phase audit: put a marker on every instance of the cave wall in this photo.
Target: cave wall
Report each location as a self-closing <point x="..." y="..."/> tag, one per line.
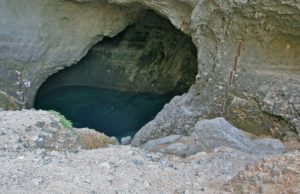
<point x="148" y="56"/>
<point x="47" y="36"/>
<point x="39" y="38"/>
<point x="264" y="97"/>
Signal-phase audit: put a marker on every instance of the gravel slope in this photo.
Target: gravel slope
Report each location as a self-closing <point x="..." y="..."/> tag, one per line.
<point x="54" y="167"/>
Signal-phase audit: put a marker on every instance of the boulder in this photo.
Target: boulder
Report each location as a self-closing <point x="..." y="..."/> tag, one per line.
<point x="271" y="146"/>
<point x="214" y="133"/>
<point x="150" y="145"/>
<point x="126" y="140"/>
<point x="115" y="140"/>
<point x="174" y="144"/>
<point x="208" y="135"/>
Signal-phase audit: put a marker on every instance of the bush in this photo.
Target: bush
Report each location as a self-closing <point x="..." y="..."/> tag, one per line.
<point x="62" y="119"/>
<point x="91" y="139"/>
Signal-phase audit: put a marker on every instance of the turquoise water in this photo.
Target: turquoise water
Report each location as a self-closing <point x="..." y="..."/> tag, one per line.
<point x="112" y="112"/>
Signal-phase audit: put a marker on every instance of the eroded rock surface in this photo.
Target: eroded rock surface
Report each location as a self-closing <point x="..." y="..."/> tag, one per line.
<point x="47" y="36"/>
<point x="264" y="96"/>
<point x="208" y="135"/>
<point x="277" y="174"/>
<point x="149" y="56"/>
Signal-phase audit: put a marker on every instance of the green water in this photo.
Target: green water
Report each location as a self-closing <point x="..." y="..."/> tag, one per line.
<point x="112" y="112"/>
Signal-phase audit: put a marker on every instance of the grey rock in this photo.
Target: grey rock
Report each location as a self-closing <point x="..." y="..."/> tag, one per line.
<point x="115" y="140"/>
<point x="178" y="149"/>
<point x="41" y="152"/>
<point x="271" y="146"/>
<point x="40" y="124"/>
<point x="19" y="140"/>
<point x="164" y="140"/>
<point x="214" y="133"/>
<point x="39" y="142"/>
<point x="174" y="144"/>
<point x="125" y="140"/>
<point x="18" y="146"/>
<point x="37" y="182"/>
<point x="193" y="149"/>
<point x="55" y="125"/>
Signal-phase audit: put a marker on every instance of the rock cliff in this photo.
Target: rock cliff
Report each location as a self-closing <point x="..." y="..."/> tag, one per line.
<point x="150" y="56"/>
<point x="264" y="96"/>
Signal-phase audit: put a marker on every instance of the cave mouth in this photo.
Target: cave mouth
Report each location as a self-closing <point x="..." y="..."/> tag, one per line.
<point x="112" y="112"/>
<point x="123" y="81"/>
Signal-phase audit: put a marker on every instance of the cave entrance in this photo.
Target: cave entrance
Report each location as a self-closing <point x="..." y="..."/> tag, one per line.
<point x="124" y="81"/>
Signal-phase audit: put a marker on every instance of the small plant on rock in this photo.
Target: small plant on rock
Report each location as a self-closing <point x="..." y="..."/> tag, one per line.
<point x="62" y="119"/>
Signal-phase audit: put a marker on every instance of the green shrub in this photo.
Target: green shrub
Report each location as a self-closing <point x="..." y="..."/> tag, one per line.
<point x="62" y="119"/>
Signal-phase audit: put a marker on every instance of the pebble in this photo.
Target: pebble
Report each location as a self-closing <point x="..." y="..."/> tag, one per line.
<point x="105" y="165"/>
<point x="18" y="146"/>
<point x="39" y="142"/>
<point x="37" y="182"/>
<point x="126" y="140"/>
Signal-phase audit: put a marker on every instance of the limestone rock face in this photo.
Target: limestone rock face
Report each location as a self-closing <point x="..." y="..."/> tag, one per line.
<point x="38" y="38"/>
<point x="148" y="56"/>
<point x="178" y="11"/>
<point x="264" y="95"/>
<point x="46" y="36"/>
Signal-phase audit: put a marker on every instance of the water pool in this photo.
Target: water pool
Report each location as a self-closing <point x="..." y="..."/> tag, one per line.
<point x="112" y="112"/>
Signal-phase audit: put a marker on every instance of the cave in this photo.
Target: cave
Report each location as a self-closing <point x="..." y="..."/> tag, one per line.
<point x="123" y="81"/>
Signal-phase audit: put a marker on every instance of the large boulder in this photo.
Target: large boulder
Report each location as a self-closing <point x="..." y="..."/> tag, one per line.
<point x="208" y="135"/>
<point x="174" y="144"/>
<point x="214" y="133"/>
